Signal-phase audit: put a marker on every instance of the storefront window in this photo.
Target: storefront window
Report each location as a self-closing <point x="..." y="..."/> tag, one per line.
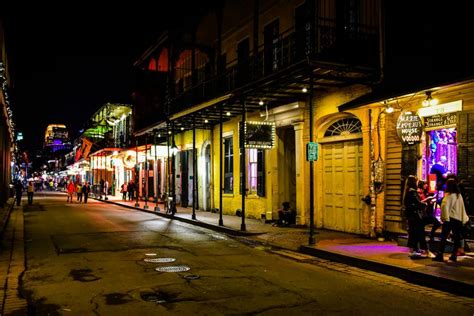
<point x="228" y="165"/>
<point x="256" y="171"/>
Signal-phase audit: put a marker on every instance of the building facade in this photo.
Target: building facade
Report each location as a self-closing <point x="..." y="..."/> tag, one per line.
<point x="411" y="132"/>
<point x="7" y="133"/>
<point x="288" y="65"/>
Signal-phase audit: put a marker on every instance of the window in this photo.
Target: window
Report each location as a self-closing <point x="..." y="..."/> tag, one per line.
<point x="344" y="127"/>
<point x="228" y="165"/>
<point x="257" y="171"/>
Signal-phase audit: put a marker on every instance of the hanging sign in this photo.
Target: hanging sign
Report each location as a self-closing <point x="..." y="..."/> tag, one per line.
<point x="258" y="134"/>
<point x="409" y="128"/>
<point x="440" y="120"/>
<point x="129" y="159"/>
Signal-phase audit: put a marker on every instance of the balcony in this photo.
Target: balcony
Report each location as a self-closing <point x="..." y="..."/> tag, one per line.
<point x="337" y="56"/>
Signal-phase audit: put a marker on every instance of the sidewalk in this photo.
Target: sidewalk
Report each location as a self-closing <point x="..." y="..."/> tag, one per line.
<point x="384" y="257"/>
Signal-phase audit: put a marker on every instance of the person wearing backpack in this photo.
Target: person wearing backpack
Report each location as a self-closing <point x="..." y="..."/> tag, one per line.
<point x="453" y="216"/>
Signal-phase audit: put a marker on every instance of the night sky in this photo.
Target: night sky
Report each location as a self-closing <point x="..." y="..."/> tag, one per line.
<point x="68" y="61"/>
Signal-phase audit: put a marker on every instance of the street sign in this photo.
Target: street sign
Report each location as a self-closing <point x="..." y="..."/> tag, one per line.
<point x="312" y="151"/>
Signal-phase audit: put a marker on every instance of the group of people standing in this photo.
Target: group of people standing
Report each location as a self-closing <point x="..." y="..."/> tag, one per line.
<point x="128" y="189"/>
<point x="420" y="208"/>
<point x="81" y="191"/>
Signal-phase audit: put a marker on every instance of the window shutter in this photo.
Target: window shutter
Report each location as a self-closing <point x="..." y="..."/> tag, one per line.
<point x="261" y="172"/>
<point x="466" y="157"/>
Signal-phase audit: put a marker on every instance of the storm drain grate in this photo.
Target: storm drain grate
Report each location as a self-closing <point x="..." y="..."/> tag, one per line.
<point x="173" y="269"/>
<point x="159" y="260"/>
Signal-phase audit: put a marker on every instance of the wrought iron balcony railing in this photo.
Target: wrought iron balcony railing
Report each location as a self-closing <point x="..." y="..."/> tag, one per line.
<point x="351" y="44"/>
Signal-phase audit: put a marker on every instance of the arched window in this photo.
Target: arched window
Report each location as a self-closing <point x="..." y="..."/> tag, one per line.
<point x="152" y="64"/>
<point x="344" y="127"/>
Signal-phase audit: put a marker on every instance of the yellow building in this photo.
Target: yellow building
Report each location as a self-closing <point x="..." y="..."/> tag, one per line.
<point x="446" y="115"/>
<point x="267" y="62"/>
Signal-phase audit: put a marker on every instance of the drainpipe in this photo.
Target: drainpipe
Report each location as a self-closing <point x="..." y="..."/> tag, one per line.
<point x="311" y="240"/>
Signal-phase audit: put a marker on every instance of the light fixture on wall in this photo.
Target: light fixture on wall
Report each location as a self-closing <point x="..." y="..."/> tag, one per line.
<point x="304" y="90"/>
<point x="260" y="103"/>
<point x="389" y="109"/>
<point x="429" y="101"/>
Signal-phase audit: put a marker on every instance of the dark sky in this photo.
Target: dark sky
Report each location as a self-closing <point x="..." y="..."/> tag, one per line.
<point x="68" y="61"/>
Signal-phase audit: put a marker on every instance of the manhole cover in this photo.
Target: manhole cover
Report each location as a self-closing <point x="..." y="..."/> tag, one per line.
<point x="153" y="297"/>
<point x="192" y="277"/>
<point x="173" y="269"/>
<point x="159" y="260"/>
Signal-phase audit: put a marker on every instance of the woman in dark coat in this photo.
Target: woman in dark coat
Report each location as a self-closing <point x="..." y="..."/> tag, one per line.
<point x="414" y="214"/>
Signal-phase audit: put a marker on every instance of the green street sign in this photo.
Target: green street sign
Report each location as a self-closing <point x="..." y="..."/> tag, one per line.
<point x="312" y="151"/>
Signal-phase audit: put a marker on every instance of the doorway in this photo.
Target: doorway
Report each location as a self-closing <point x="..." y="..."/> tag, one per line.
<point x="286" y="166"/>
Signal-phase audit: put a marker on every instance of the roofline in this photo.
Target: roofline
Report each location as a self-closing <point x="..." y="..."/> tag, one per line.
<point x="354" y="104"/>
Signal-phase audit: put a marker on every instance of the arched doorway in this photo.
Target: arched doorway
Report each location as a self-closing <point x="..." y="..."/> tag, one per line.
<point x="342" y="176"/>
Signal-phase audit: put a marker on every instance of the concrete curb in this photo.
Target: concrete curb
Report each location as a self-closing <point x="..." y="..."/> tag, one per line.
<point x="222" y="229"/>
<point x="412" y="276"/>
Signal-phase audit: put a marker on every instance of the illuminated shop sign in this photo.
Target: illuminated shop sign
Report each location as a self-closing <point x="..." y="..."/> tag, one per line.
<point x="440" y="120"/>
<point x="450" y="107"/>
<point x="409" y="128"/>
<point x="258" y="134"/>
<point x="129" y="159"/>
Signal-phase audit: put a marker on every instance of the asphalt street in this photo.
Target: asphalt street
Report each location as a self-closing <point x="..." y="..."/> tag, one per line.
<point x="86" y="259"/>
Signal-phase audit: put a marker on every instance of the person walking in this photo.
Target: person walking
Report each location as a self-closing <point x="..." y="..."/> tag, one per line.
<point x="106" y="189"/>
<point x="414" y="213"/>
<point x="79" y="192"/>
<point x="85" y="191"/>
<point x="18" y="192"/>
<point x="70" y="191"/>
<point x="453" y="216"/>
<point x="30" y="192"/>
<point x="124" y="191"/>
<point x="101" y="188"/>
<point x="130" y="189"/>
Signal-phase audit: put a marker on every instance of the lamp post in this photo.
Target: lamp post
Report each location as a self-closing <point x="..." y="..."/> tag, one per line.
<point x="157" y="208"/>
<point x="136" y="173"/>
<point x="146" y="173"/>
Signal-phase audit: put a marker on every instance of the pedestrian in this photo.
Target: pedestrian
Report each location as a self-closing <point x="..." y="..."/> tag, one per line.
<point x="101" y="188"/>
<point x="123" y="190"/>
<point x="429" y="216"/>
<point x="130" y="189"/>
<point x="414" y="210"/>
<point x="70" y="191"/>
<point x="286" y="215"/>
<point x="30" y="192"/>
<point x="79" y="192"/>
<point x="453" y="216"/>
<point x="85" y="191"/>
<point x="18" y="192"/>
<point x="106" y="189"/>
